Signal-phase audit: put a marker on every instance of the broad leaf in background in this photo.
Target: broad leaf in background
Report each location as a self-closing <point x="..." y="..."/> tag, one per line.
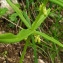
<point x="13" y="17"/>
<point x="3" y="11"/>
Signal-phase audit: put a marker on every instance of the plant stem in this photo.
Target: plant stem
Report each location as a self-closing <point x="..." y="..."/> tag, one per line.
<point x="24" y="51"/>
<point x="35" y="52"/>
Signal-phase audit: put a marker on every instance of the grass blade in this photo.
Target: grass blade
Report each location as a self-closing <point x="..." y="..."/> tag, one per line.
<point x="35" y="52"/>
<point x="24" y="52"/>
<point x="26" y="17"/>
<point x="59" y="2"/>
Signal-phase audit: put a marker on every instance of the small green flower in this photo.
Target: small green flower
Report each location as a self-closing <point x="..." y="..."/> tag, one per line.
<point x="42" y="9"/>
<point x="5" y="53"/>
<point x="37" y="38"/>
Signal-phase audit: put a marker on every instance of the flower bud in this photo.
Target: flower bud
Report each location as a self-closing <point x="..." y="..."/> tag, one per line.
<point x="42" y="9"/>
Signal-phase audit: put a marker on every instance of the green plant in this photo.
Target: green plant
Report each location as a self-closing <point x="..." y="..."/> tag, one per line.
<point x="31" y="29"/>
<point x="3" y="11"/>
<point x="13" y="18"/>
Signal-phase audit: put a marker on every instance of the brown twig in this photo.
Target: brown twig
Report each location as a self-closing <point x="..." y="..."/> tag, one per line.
<point x="12" y="22"/>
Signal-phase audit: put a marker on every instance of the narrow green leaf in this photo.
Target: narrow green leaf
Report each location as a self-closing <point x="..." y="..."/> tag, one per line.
<point x="59" y="2"/>
<point x="27" y="4"/>
<point x="49" y="38"/>
<point x="19" y="12"/>
<point x="24" y="51"/>
<point x="26" y="17"/>
<point x="35" y="49"/>
<point x="7" y="36"/>
<point x="11" y="38"/>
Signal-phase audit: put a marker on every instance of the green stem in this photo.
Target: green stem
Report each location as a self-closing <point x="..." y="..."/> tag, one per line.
<point x="24" y="51"/>
<point x="35" y="52"/>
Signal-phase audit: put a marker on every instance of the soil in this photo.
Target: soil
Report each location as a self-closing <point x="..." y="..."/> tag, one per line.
<point x="11" y="53"/>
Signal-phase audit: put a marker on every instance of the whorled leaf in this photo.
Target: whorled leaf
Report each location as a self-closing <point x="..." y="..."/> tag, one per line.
<point x="52" y="39"/>
<point x="11" y="38"/>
